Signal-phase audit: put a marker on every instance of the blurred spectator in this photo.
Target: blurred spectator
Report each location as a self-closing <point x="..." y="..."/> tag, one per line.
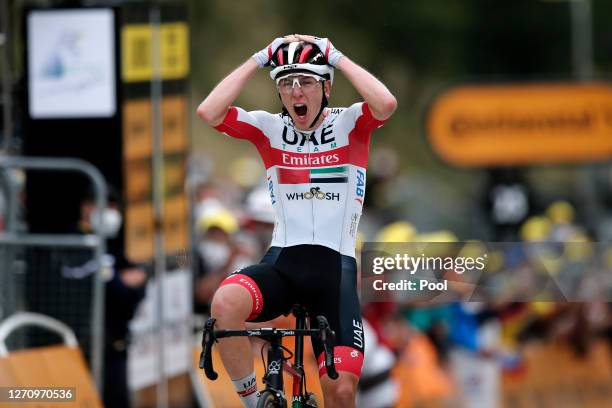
<point x="377" y="388"/>
<point x="260" y="218"/>
<point x="399" y="231"/>
<point x="246" y="172"/>
<point x="219" y="252"/>
<point x="124" y="291"/>
<point x="508" y="201"/>
<point x="561" y="214"/>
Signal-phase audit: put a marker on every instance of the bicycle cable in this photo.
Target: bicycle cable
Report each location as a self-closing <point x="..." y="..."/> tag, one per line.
<point x="288" y="351"/>
<point x="263" y="359"/>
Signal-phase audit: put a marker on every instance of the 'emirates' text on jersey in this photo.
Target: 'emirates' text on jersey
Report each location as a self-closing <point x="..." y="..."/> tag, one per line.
<point x="316" y="179"/>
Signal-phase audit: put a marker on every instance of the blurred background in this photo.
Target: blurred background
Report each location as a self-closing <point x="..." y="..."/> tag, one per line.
<point x="122" y="212"/>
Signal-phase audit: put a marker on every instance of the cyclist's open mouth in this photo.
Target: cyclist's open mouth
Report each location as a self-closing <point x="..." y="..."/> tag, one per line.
<point x="300" y="110"/>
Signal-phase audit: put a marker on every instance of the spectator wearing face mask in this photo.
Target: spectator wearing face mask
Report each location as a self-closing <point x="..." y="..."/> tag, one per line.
<point x="125" y="289"/>
<point x="218" y="253"/>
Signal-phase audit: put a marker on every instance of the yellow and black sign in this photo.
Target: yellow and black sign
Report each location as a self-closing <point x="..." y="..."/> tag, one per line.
<point x="176" y="229"/>
<point x="174" y="111"/>
<point x="522" y="124"/>
<point x="137" y="51"/>
<point x="139" y="232"/>
<point x="137" y="126"/>
<point x="138" y="179"/>
<point x="138" y="184"/>
<point x="137" y="133"/>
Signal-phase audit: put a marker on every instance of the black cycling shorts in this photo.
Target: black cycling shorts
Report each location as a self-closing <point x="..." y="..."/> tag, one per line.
<point x="318" y="278"/>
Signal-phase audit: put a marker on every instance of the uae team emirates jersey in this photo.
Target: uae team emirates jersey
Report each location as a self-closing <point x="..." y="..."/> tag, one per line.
<point x="316" y="179"/>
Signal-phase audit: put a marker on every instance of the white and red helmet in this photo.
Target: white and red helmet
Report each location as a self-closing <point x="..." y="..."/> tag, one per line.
<point x="300" y="57"/>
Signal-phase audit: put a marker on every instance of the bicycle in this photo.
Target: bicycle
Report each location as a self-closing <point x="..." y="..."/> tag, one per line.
<point x="273" y="395"/>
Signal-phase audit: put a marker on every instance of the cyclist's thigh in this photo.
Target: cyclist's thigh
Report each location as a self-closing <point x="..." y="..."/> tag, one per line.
<point x="269" y="291"/>
<point x="337" y="300"/>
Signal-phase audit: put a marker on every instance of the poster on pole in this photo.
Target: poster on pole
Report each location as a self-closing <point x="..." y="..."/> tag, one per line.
<point x="71" y="63"/>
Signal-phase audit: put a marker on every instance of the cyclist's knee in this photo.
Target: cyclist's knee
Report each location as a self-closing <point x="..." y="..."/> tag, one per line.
<point x="231" y="304"/>
<point x="341" y="392"/>
<point x="344" y="394"/>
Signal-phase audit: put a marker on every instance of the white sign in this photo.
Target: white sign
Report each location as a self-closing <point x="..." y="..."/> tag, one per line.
<point x="71" y="63"/>
<point x="143" y="354"/>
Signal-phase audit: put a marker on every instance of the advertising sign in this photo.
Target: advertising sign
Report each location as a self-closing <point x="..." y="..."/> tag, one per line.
<point x="477" y="126"/>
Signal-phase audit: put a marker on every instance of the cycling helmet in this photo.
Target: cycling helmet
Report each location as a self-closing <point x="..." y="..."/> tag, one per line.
<point x="296" y="57"/>
<point x="301" y="57"/>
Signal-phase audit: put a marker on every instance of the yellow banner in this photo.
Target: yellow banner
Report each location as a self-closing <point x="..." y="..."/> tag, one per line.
<point x="174" y="50"/>
<point x="136" y="51"/>
<point x="522" y="124"/>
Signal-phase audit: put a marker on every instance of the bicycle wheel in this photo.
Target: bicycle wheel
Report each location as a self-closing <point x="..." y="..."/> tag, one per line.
<point x="268" y="399"/>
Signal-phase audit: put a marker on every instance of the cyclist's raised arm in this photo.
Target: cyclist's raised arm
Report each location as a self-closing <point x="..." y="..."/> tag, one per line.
<point x="214" y="107"/>
<point x="381" y="101"/>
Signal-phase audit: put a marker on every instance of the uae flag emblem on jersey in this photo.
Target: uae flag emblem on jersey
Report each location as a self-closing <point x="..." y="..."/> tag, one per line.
<point x="316" y="175"/>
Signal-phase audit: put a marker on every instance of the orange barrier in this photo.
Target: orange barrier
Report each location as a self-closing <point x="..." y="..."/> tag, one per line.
<point x="54" y="366"/>
<point x="555" y="376"/>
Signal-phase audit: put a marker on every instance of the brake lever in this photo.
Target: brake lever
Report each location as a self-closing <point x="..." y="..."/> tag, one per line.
<point x="208" y="338"/>
<point x="327" y="336"/>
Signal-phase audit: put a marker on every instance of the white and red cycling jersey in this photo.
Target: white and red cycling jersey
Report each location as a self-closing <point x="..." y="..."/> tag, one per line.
<point x="316" y="179"/>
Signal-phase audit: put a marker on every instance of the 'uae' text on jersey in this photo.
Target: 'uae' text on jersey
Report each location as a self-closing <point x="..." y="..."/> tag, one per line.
<point x="316" y="179"/>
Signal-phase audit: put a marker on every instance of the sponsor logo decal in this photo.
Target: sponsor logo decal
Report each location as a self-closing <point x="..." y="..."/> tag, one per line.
<point x="314" y="192"/>
<point x="337" y="360"/>
<point x="274" y="367"/>
<point x="308" y="160"/>
<point x="358" y="334"/>
<point x="360" y="190"/>
<point x="253" y="290"/>
<point x="299" y="138"/>
<point x="354" y="224"/>
<point x="271" y="190"/>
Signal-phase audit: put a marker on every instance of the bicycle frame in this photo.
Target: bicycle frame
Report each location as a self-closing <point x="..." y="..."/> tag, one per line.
<point x="277" y="363"/>
<point x="274" y="378"/>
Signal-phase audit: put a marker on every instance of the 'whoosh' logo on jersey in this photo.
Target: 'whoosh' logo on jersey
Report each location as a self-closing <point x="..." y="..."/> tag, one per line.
<point x="315" y="192"/>
<point x="323" y="138"/>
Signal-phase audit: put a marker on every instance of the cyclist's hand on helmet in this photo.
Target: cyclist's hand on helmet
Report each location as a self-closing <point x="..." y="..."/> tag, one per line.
<point x="262" y="58"/>
<point x="331" y="53"/>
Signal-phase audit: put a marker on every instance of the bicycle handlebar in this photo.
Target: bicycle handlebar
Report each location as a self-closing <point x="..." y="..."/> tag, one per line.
<point x="324" y="334"/>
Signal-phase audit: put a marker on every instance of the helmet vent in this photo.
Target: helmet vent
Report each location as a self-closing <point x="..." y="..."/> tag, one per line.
<point x="305" y="51"/>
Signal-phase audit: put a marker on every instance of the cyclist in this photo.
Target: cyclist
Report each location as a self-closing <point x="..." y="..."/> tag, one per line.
<point x="315" y="159"/>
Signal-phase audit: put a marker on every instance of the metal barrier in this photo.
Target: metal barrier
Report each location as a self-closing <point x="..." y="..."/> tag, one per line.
<point x="18" y="249"/>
